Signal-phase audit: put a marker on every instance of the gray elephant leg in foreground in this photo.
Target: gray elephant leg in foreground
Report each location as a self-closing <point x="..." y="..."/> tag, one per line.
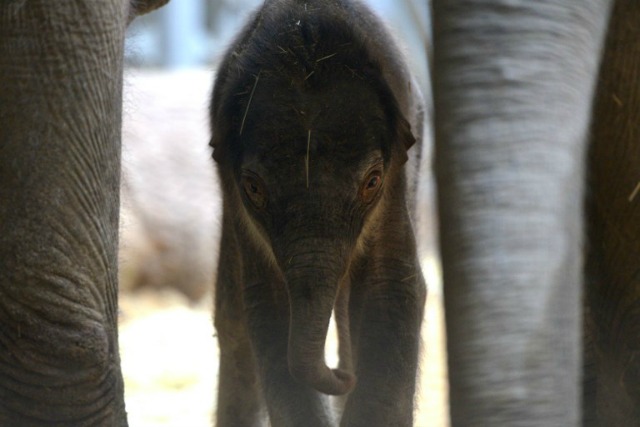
<point x="310" y="133"/>
<point x="60" y="108"/>
<point x="513" y="87"/>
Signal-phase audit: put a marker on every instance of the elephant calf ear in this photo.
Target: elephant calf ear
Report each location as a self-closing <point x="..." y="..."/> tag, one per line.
<point x="404" y="136"/>
<point x="403" y="139"/>
<point x="218" y="148"/>
<point x="140" y="7"/>
<point x="220" y="122"/>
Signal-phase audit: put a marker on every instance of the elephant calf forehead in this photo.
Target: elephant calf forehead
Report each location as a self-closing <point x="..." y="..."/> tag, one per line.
<point x="344" y="121"/>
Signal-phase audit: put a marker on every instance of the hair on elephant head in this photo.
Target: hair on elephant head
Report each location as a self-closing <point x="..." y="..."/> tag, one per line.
<point x="310" y="133"/>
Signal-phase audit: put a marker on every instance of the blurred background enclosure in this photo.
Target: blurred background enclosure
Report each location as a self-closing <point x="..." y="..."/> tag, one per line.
<point x="195" y="33"/>
<point x="170" y="208"/>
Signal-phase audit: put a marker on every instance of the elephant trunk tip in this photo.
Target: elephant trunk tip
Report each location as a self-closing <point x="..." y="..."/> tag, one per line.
<point x="328" y="381"/>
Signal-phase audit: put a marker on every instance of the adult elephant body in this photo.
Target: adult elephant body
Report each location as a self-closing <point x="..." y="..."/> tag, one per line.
<point x="612" y="364"/>
<point x="60" y="108"/>
<point x="514" y="83"/>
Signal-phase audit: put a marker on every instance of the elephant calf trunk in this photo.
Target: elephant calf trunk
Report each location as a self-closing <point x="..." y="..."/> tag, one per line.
<point x="320" y="376"/>
<point x="311" y="306"/>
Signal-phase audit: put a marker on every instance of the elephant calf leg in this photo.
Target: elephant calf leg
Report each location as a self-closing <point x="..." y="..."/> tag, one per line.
<point x="387" y="347"/>
<point x="239" y="403"/>
<point x="290" y="402"/>
<point x="238" y="399"/>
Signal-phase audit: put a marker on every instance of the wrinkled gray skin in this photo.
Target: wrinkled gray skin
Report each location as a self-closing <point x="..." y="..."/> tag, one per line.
<point x="514" y="83"/>
<point x="312" y="114"/>
<point x="60" y="109"/>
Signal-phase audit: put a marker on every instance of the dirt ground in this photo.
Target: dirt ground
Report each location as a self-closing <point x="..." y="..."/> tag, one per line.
<point x="169" y="360"/>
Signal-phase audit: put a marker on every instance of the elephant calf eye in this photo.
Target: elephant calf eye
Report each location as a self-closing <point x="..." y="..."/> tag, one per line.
<point x="255" y="191"/>
<point x="374" y="182"/>
<point x="371" y="186"/>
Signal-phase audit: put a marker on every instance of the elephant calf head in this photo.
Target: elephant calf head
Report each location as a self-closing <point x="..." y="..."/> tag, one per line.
<point x="310" y="141"/>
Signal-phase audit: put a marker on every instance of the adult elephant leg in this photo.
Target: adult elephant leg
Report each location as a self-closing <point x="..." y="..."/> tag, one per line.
<point x="60" y="105"/>
<point x="513" y="85"/>
<point x="613" y="263"/>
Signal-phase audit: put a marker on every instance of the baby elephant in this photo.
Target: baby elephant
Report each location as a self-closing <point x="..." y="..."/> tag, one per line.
<point x="311" y="117"/>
